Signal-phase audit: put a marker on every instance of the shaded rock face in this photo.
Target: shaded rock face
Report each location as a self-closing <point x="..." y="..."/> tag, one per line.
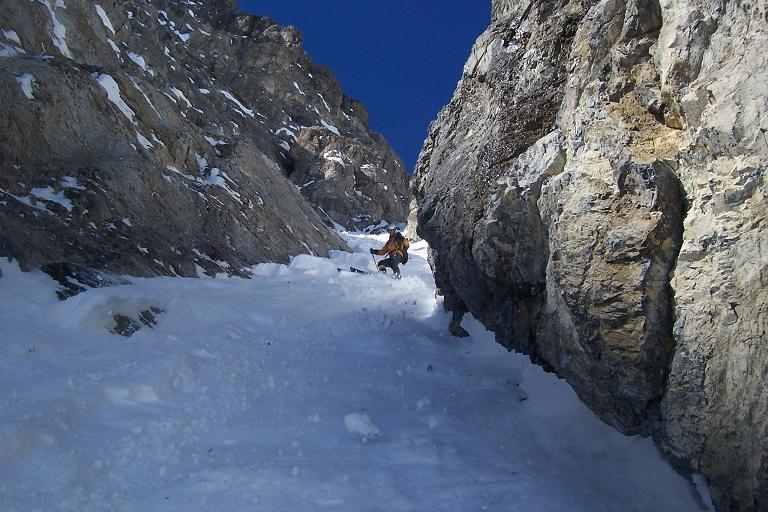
<point x="594" y="193"/>
<point x="158" y="138"/>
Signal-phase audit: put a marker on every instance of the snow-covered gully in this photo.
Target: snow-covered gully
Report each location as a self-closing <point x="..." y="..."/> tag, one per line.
<point x="301" y="389"/>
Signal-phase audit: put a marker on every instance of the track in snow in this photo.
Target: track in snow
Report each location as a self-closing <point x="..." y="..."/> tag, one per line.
<point x="300" y="389"/>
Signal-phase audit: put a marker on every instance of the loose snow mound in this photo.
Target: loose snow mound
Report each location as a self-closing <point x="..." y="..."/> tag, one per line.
<point x="361" y="423"/>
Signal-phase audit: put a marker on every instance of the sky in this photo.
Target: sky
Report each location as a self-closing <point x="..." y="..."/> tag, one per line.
<point x="401" y="58"/>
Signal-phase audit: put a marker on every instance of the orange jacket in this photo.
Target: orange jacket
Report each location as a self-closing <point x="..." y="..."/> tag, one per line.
<point x="394" y="247"/>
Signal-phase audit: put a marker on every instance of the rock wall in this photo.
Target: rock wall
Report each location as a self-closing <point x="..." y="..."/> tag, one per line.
<point x="160" y="137"/>
<point x="594" y="193"/>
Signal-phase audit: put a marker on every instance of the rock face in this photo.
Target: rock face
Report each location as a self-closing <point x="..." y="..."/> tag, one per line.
<point x="162" y="137"/>
<point x="594" y="193"/>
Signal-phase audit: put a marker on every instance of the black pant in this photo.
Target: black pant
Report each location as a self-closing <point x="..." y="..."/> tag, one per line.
<point x="392" y="262"/>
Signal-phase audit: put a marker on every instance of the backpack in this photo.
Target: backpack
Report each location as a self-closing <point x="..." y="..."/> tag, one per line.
<point x="403" y="245"/>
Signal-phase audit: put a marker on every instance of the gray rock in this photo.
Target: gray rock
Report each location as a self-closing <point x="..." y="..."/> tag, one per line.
<point x="156" y="139"/>
<point x="594" y="193"/>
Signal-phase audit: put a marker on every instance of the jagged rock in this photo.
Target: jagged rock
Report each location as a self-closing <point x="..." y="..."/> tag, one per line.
<point x="412" y="222"/>
<point x="594" y="193"/>
<point x="75" y="279"/>
<point x="351" y="180"/>
<point x="155" y="138"/>
<point x="127" y="326"/>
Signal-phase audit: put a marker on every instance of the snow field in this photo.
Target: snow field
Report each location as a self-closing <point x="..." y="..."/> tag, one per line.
<point x="303" y="388"/>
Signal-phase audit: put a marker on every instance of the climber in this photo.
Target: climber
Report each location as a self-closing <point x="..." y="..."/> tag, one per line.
<point x="396" y="250"/>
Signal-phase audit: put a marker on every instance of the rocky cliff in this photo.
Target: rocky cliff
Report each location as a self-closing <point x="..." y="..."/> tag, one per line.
<point x="595" y="194"/>
<point x="159" y="137"/>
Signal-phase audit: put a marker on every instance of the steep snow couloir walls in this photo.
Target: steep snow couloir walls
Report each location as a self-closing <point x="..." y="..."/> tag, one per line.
<point x="594" y="193"/>
<point x="158" y="137"/>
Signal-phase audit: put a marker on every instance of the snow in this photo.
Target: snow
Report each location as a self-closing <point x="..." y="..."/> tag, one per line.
<point x="324" y="102"/>
<point x="59" y="31"/>
<point x="218" y="178"/>
<point x="202" y="163"/>
<point x="204" y="91"/>
<point x="141" y="62"/>
<point x="31" y="202"/>
<point x="183" y="37"/>
<point x="241" y="109"/>
<point x="113" y="93"/>
<point x="25" y="82"/>
<point x="215" y="142"/>
<point x="286" y="131"/>
<point x="146" y="98"/>
<point x="329" y="126"/>
<point x="114" y="48"/>
<point x="179" y="94"/>
<point x="104" y="18"/>
<point x="12" y="36"/>
<point x="268" y="394"/>
<point x="144" y="142"/>
<point x="334" y="156"/>
<point x="7" y="50"/>
<point x="296" y="85"/>
<point x="70" y="182"/>
<point x="702" y="487"/>
<point x="39" y="197"/>
<point x="361" y="423"/>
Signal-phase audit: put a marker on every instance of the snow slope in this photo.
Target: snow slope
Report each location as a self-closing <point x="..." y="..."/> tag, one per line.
<point x="300" y="389"/>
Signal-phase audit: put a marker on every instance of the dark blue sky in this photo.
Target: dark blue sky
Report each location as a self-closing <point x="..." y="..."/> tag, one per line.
<point x="401" y="58"/>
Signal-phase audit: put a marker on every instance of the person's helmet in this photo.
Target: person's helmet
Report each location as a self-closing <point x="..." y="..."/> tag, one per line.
<point x="391" y="227"/>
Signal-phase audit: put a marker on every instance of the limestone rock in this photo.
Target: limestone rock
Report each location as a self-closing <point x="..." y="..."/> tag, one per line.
<point x="594" y="193"/>
<point x="156" y="138"/>
<point x="350" y="179"/>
